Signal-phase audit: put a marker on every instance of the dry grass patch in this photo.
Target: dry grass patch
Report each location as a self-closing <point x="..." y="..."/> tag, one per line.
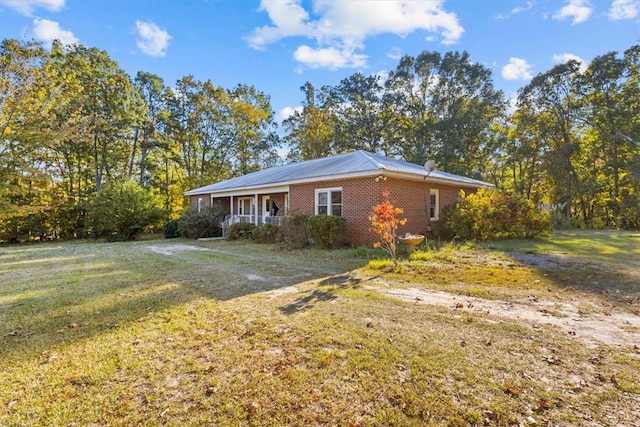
<point x="242" y="334"/>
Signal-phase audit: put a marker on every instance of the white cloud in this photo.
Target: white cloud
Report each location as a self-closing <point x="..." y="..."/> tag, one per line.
<point x="287" y="112"/>
<point x="520" y="9"/>
<point x="395" y="53"/>
<point x="47" y="31"/>
<point x="623" y="9"/>
<point x="331" y="57"/>
<point x="339" y="28"/>
<point x="512" y="104"/>
<point x="516" y="10"/>
<point x="563" y="58"/>
<point x="578" y="10"/>
<point x="26" y="7"/>
<point x="152" y="40"/>
<point x="517" y="69"/>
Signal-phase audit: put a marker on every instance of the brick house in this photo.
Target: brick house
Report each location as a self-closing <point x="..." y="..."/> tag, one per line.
<point x="347" y="185"/>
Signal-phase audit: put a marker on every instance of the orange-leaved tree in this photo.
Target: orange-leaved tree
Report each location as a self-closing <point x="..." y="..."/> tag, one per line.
<point x="384" y="223"/>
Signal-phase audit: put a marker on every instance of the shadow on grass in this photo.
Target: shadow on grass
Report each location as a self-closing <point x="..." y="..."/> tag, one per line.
<point x="308" y="301"/>
<point x="327" y="292"/>
<point x="54" y="295"/>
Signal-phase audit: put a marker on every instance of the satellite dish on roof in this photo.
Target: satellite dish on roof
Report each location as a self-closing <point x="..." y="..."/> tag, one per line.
<point x="430" y="166"/>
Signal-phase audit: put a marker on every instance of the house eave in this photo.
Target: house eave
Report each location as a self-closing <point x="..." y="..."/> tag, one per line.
<point x="281" y="187"/>
<point x="436" y="180"/>
<point x="246" y="191"/>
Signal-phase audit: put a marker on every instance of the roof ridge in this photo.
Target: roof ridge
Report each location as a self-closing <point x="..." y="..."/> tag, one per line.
<point x="368" y="155"/>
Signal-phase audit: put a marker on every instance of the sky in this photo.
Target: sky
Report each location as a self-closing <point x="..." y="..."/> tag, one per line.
<point x="279" y="45"/>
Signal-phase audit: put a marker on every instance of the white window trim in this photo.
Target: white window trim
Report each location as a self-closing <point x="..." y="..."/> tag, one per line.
<point x="200" y="203"/>
<point x="327" y="190"/>
<point x="239" y="200"/>
<point x="436" y="208"/>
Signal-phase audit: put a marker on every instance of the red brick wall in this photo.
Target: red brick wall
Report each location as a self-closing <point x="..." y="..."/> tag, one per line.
<point x="358" y="195"/>
<point x="193" y="202"/>
<point x="361" y="194"/>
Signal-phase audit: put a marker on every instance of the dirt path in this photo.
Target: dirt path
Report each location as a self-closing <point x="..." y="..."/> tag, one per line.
<point x="591" y="328"/>
<point x="173" y="249"/>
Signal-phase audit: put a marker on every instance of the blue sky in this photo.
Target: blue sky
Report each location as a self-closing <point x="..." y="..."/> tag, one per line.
<point x="278" y="45"/>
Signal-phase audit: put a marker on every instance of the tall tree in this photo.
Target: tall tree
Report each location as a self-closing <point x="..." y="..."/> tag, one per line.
<point x="253" y="129"/>
<point x="102" y="98"/>
<point x="408" y="98"/>
<point x="357" y="102"/>
<point x="551" y="103"/>
<point x="182" y="127"/>
<point x="466" y="106"/>
<point x="146" y="135"/>
<point x="601" y="87"/>
<point x="220" y="132"/>
<point x="309" y="133"/>
<point x="445" y="109"/>
<point x="24" y="101"/>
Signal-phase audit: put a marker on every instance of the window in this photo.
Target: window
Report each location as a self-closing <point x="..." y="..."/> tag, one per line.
<point x="200" y="201"/>
<point x="434" y="205"/>
<point x="329" y="201"/>
<point x="246" y="206"/>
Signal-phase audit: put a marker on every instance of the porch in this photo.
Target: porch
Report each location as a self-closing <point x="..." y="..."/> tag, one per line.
<point x="251" y="219"/>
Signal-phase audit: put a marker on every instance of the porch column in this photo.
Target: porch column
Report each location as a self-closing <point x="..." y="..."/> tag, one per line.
<point x="255" y="204"/>
<point x="230" y="206"/>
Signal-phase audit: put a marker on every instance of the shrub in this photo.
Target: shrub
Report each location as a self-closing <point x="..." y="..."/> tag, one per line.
<point x="495" y="214"/>
<point x="240" y="230"/>
<point x="327" y="231"/>
<point x="206" y="223"/>
<point x="121" y="210"/>
<point x="294" y="230"/>
<point x="171" y="229"/>
<point x="268" y="233"/>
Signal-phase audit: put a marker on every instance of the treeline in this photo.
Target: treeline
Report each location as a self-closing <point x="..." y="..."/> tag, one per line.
<point x="570" y="142"/>
<point x="71" y="120"/>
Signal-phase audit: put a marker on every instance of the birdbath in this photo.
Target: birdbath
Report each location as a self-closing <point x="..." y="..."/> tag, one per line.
<point x="411" y="240"/>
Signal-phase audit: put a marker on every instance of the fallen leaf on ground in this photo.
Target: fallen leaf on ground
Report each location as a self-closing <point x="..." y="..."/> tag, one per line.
<point x="509" y="389"/>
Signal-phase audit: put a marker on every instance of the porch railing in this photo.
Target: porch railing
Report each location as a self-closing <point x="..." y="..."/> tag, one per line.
<point x="251" y="219"/>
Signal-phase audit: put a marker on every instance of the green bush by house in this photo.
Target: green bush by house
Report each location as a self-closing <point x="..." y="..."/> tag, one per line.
<point x="494" y="214"/>
<point x="327" y="231"/>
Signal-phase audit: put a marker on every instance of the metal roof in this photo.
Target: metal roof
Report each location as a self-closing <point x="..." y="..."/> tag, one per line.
<point x="350" y="165"/>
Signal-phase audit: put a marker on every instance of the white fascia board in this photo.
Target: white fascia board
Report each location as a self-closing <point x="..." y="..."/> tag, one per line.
<point x="250" y="191"/>
<point x="435" y="180"/>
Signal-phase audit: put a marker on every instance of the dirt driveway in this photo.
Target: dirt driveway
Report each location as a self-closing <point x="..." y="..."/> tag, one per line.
<point x="589" y="326"/>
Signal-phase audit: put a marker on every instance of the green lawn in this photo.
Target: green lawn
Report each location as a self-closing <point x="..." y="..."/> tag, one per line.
<point x="234" y="333"/>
